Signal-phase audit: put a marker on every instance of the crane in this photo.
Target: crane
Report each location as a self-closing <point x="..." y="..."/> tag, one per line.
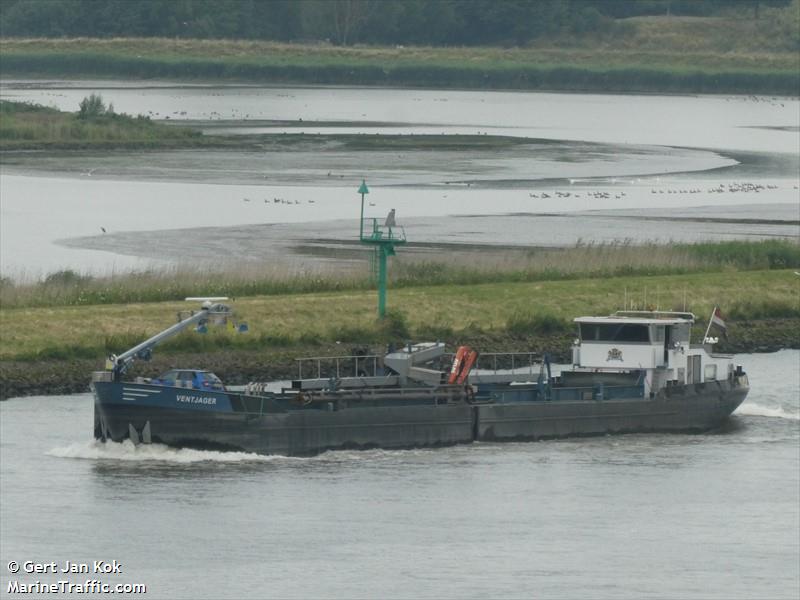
<point x="210" y="307"/>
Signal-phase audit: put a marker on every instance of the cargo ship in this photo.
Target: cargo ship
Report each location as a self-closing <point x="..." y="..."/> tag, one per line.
<point x="633" y="371"/>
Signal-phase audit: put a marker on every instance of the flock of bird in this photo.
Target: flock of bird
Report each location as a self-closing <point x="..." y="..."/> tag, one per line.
<point x="592" y="194"/>
<point x="774" y="101"/>
<point x="288" y="202"/>
<point x="729" y="188"/>
<point x="723" y="188"/>
<point x="598" y="195"/>
<point x="280" y="201"/>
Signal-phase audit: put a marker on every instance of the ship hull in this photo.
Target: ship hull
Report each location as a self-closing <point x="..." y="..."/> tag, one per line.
<point x="219" y="420"/>
<point x="690" y="408"/>
<point x="270" y="426"/>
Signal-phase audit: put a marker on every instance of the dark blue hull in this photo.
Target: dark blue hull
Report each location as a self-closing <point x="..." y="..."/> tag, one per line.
<point x="273" y="424"/>
<point x="277" y="424"/>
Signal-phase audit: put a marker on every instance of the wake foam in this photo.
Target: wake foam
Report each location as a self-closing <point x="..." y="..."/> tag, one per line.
<point x="127" y="451"/>
<point x="761" y="410"/>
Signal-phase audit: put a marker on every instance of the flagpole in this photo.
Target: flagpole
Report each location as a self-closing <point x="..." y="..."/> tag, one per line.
<point x="710" y="321"/>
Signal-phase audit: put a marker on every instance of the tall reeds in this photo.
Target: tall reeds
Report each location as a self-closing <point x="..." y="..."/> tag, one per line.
<point x="593" y="261"/>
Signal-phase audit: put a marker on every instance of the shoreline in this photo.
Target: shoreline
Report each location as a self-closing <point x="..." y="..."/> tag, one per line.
<point x="158" y="83"/>
<point x="237" y="367"/>
<point x="577" y="80"/>
<point x="593" y="67"/>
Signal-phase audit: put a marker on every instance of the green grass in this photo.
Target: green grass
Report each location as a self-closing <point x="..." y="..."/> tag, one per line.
<point x="628" y="62"/>
<point x="10" y="107"/>
<point x="767" y="254"/>
<point x="69" y="288"/>
<point x="24" y="125"/>
<point x="445" y="312"/>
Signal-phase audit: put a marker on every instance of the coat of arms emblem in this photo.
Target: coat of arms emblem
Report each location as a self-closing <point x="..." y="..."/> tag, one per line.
<point x="614" y="354"/>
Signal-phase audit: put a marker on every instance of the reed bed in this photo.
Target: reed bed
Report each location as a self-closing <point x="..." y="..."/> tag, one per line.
<point x="468" y="267"/>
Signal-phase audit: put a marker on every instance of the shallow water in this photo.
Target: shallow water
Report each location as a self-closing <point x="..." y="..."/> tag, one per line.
<point x="607" y="152"/>
<point x="723" y="122"/>
<point x="638" y="516"/>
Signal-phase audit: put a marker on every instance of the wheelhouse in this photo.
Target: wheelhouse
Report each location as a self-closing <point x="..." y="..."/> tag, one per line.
<point x="656" y="344"/>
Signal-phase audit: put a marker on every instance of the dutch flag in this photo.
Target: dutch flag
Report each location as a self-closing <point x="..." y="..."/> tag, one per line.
<point x="718" y="321"/>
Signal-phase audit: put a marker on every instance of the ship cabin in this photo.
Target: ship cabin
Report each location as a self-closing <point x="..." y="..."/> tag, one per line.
<point x="187" y="378"/>
<point x="649" y="347"/>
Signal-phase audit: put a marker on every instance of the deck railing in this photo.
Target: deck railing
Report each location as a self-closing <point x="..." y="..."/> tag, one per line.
<point x="320" y="367"/>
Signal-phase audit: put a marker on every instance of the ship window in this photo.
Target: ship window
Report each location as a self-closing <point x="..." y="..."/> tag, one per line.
<point x="211" y="377"/>
<point x="169" y="377"/>
<point x="679" y="333"/>
<point x="614" y="332"/>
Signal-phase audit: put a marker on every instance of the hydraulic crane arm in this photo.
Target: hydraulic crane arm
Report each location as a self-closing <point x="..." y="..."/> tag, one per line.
<point x="210" y="308"/>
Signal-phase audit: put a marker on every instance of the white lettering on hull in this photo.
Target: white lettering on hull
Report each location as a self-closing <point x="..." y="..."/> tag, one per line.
<point x="195" y="399"/>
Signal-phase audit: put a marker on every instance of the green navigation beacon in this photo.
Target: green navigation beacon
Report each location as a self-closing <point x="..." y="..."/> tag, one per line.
<point x="383" y="238"/>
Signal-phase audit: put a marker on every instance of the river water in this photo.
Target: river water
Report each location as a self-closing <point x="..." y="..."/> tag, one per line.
<point x="715" y="515"/>
<point x="726" y="167"/>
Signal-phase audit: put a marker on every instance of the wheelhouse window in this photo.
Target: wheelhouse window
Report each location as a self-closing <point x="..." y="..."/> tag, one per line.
<point x="614" y="332"/>
<point x="680" y="333"/>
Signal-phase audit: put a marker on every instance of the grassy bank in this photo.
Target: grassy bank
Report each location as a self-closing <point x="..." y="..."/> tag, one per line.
<point x="30" y="126"/>
<point x="443" y="311"/>
<point x="584" y="261"/>
<point x="623" y="63"/>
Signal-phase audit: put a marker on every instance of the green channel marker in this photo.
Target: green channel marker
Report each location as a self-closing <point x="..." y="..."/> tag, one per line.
<point x="383" y="238"/>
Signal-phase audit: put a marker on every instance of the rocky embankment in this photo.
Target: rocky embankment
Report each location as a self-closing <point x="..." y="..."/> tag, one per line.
<point x="48" y="377"/>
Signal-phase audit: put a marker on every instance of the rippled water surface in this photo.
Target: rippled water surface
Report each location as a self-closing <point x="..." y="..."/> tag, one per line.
<point x="715" y="515"/>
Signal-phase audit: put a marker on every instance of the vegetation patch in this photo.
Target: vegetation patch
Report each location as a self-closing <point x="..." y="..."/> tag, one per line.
<point x="527" y="323"/>
<point x="24" y="126"/>
<point x="583" y="261"/>
<point x="513" y="310"/>
<point x="591" y="62"/>
<point x="766" y="254"/>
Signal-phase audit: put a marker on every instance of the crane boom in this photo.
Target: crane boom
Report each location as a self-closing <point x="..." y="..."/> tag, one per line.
<point x="123" y="361"/>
